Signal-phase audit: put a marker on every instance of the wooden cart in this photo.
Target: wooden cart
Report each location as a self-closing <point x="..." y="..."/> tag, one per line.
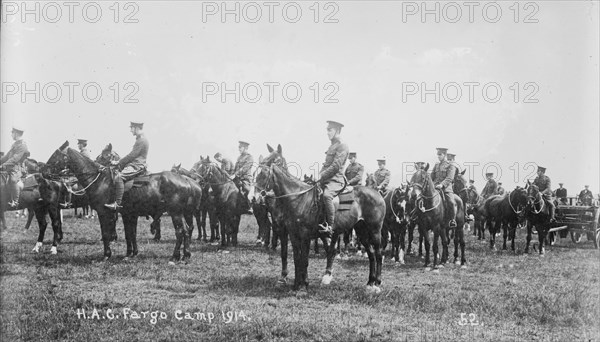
<point x="577" y="221"/>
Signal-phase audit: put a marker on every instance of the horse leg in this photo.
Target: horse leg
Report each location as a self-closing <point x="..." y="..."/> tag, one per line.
<point x="422" y="238"/>
<point x="130" y="224"/>
<point x="284" y="255"/>
<point x="512" y="232"/>
<point x="461" y="237"/>
<point x="504" y="234"/>
<point x="297" y="258"/>
<point x="202" y="224"/>
<point x="107" y="222"/>
<point x="189" y="222"/>
<point x="542" y="233"/>
<point x="187" y="236"/>
<point x="178" y="225"/>
<point x="155" y="227"/>
<point x="528" y="238"/>
<point x="276" y="235"/>
<point x="56" y="228"/>
<point x="235" y="231"/>
<point x="30" y="215"/>
<point x="330" y="249"/>
<point x="425" y="236"/>
<point x="304" y="251"/>
<point x="436" y="236"/>
<point x="40" y="215"/>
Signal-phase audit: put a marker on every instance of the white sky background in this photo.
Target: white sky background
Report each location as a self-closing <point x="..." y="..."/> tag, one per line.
<point x="369" y="53"/>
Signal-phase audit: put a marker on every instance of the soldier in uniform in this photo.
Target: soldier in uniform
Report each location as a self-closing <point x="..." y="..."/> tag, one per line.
<point x="242" y="172"/>
<point x="12" y="163"/>
<point x="561" y="193"/>
<point x="544" y="185"/>
<point x="107" y="156"/>
<point x="490" y="187"/>
<point x="472" y="185"/>
<point x="354" y="171"/>
<point x="82" y="146"/>
<point x="586" y="196"/>
<point x="420" y="165"/>
<point x="500" y="190"/>
<point x="382" y="176"/>
<point x="226" y="164"/>
<point x="132" y="164"/>
<point x="331" y="177"/>
<point x="451" y="157"/>
<point x="443" y="177"/>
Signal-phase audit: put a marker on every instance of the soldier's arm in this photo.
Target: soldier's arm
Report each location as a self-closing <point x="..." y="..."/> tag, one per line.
<point x="135" y="152"/>
<point x="338" y="162"/>
<point x="447" y="182"/>
<point x="19" y="153"/>
<point x="359" y="175"/>
<point x="245" y="166"/>
<point x="386" y="179"/>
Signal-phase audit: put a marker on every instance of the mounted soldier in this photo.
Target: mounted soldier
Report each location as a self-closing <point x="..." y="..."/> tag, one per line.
<point x="107" y="156"/>
<point x="443" y="177"/>
<point x="451" y="159"/>
<point x="544" y="185"/>
<point x="561" y="193"/>
<point x="382" y="176"/>
<point x="242" y="173"/>
<point x="331" y="177"/>
<point x="226" y="164"/>
<point x="472" y="185"/>
<point x="490" y="187"/>
<point x="82" y="146"/>
<point x="585" y="196"/>
<point x="354" y="171"/>
<point x="12" y="163"/>
<point x="132" y="164"/>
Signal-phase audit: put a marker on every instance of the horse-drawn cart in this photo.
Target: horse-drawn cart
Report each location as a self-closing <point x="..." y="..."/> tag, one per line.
<point x="576" y="220"/>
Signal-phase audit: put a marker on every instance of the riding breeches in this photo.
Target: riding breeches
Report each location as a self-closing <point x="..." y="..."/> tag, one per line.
<point x="330" y="190"/>
<point x="450" y="205"/>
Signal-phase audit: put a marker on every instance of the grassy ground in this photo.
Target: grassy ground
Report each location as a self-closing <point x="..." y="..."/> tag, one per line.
<point x="501" y="296"/>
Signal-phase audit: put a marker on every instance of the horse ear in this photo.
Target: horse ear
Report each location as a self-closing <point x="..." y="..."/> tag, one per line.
<point x="463" y="172"/>
<point x="109" y="147"/>
<point x="261" y="158"/>
<point x="178" y="166"/>
<point x="426" y="167"/>
<point x="270" y="148"/>
<point x="63" y="146"/>
<point x="279" y="148"/>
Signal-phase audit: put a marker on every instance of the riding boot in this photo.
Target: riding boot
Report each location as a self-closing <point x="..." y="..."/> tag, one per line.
<point x="119" y="190"/>
<point x="451" y="207"/>
<point x="327" y="228"/>
<point x="552" y="210"/>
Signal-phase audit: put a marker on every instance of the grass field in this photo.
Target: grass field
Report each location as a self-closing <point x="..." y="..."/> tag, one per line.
<point x="501" y="296"/>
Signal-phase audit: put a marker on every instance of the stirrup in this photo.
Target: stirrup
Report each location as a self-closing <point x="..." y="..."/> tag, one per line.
<point x="452" y="223"/>
<point x="326" y="229"/>
<point x="65" y="205"/>
<point x="113" y="206"/>
<point x="13" y="204"/>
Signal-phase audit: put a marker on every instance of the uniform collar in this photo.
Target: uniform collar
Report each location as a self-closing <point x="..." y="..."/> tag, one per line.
<point x="335" y="140"/>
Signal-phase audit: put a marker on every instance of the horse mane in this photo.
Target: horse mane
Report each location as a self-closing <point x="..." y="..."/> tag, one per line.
<point x="89" y="166"/>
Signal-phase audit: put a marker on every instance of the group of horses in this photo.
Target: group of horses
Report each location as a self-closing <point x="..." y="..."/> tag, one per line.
<point x="283" y="204"/>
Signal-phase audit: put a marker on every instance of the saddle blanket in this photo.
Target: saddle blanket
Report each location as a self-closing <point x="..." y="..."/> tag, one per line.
<point x="346" y="199"/>
<point x="29" y="182"/>
<point x="137" y="182"/>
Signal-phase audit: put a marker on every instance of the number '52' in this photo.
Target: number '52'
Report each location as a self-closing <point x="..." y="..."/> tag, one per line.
<point x="471" y="321"/>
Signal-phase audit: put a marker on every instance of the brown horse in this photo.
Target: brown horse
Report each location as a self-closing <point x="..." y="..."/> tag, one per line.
<point x="431" y="215"/>
<point x="394" y="223"/>
<point x="196" y="206"/>
<point x="538" y="216"/>
<point x="156" y="194"/>
<point x="301" y="205"/>
<point x="505" y="211"/>
<point x="471" y="201"/>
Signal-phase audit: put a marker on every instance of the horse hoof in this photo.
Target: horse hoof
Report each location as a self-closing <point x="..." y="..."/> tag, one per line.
<point x="372" y="289"/>
<point x="326" y="279"/>
<point x="440" y="266"/>
<point x="464" y="267"/>
<point x="53" y="250"/>
<point x="301" y="293"/>
<point x="427" y="269"/>
<point x="36" y="248"/>
<point x="105" y="259"/>
<point x="171" y="262"/>
<point x="338" y="257"/>
<point x="457" y="262"/>
<point x="282" y="282"/>
<point x="437" y="270"/>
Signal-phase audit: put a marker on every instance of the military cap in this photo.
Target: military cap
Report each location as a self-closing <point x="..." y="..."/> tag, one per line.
<point x="18" y="130"/>
<point x="499" y="183"/>
<point x="442" y="149"/>
<point x="82" y="141"/>
<point x="217" y="155"/>
<point x="351" y="154"/>
<point x="243" y="143"/>
<point x="541" y="169"/>
<point x="489" y="174"/>
<point x="420" y="163"/>
<point x="561" y="183"/>
<point x="381" y="160"/>
<point x="587" y="186"/>
<point x="334" y="124"/>
<point x="450" y="156"/>
<point x="137" y="124"/>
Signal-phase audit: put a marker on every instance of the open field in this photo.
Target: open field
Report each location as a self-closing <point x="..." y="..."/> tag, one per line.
<point x="233" y="296"/>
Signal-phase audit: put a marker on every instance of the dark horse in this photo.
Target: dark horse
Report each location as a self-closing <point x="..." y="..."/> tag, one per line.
<point x="159" y="192"/>
<point x="471" y="201"/>
<point x="196" y="209"/>
<point x="431" y="215"/>
<point x="505" y="211"/>
<point x="300" y="203"/>
<point x="538" y="215"/>
<point x="394" y="223"/>
<point x="228" y="201"/>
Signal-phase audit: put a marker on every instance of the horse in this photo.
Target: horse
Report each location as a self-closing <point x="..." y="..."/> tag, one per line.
<point x="506" y="211"/>
<point x="195" y="210"/>
<point x="431" y="215"/>
<point x="471" y="201"/>
<point x="228" y="201"/>
<point x="538" y="215"/>
<point x="157" y="193"/>
<point x="394" y="223"/>
<point x="301" y="205"/>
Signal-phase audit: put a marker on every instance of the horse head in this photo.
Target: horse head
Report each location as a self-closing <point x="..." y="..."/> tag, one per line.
<point x="421" y="182"/>
<point x="310" y="180"/>
<point x="58" y="161"/>
<point x="370" y="181"/>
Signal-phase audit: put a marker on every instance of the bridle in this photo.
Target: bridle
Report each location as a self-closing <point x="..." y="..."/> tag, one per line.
<point x="511" y="205"/>
<point x="392" y="205"/>
<point x="538" y="201"/>
<point x="264" y="191"/>
<point x="420" y="197"/>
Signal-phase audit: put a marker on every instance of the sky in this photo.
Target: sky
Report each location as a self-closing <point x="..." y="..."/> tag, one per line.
<point x="376" y="66"/>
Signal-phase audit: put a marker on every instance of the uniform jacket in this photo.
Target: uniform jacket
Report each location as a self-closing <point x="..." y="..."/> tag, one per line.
<point x="243" y="166"/>
<point x="335" y="158"/>
<point x="561" y="193"/>
<point x="85" y="152"/>
<point x="354" y="173"/>
<point x="14" y="158"/>
<point x="473" y="188"/>
<point x="443" y="173"/>
<point x="544" y="185"/>
<point x="139" y="153"/>
<point x="489" y="189"/>
<point x="382" y="177"/>
<point x="586" y="197"/>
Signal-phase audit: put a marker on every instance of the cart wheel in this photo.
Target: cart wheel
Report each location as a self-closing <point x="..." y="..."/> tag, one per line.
<point x="575" y="237"/>
<point x="552" y="238"/>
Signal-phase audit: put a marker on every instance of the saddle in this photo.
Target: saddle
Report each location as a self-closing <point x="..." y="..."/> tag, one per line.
<point x="29" y="182"/>
<point x="140" y="179"/>
<point x="342" y="202"/>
